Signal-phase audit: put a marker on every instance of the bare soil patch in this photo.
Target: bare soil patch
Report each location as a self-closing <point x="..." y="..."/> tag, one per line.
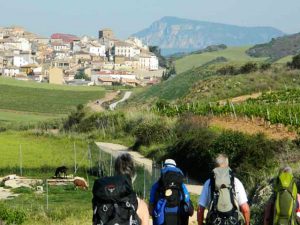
<point x="254" y="126"/>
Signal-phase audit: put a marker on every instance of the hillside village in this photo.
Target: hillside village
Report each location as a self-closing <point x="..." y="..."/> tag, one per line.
<point x="67" y="59"/>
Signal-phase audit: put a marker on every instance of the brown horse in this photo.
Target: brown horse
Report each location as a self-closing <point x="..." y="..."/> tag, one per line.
<point x="81" y="183"/>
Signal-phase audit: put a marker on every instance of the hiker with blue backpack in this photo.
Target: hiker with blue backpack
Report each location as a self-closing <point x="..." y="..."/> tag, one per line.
<point x="170" y="202"/>
<point x="224" y="196"/>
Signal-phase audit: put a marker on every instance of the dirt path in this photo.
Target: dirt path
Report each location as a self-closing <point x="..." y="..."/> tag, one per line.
<point x="97" y="104"/>
<point x="125" y="97"/>
<point x="248" y="126"/>
<point x="241" y="98"/>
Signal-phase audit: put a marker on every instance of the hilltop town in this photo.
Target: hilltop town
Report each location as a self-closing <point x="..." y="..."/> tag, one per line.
<point x="68" y="59"/>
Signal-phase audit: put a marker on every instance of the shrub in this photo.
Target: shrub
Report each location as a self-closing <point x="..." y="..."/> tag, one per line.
<point x="252" y="157"/>
<point x="295" y="64"/>
<point x="149" y="132"/>
<point x="265" y="66"/>
<point x="192" y="147"/>
<point x="228" y="70"/>
<point x="103" y="120"/>
<point x="11" y="216"/>
<point x="248" y="68"/>
<point x="74" y="118"/>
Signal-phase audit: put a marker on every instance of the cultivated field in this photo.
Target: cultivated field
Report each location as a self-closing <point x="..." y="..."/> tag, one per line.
<point x="27" y="101"/>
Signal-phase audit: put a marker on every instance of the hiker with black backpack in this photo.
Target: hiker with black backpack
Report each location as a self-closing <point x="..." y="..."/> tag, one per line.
<point x="114" y="201"/>
<point x="283" y="205"/>
<point x="224" y="196"/>
<point x="170" y="202"/>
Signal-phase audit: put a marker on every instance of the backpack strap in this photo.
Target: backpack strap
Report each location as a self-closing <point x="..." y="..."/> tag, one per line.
<point x="232" y="190"/>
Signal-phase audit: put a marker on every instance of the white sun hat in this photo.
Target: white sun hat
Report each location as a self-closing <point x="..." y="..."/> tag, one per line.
<point x="169" y="162"/>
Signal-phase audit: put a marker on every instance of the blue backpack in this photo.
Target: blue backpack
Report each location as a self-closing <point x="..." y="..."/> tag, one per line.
<point x="169" y="206"/>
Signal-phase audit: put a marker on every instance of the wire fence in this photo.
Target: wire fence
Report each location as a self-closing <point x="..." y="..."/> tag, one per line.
<point x="146" y="174"/>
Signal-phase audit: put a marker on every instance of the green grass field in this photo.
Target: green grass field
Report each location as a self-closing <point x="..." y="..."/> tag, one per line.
<point x="285" y="60"/>
<point x="27" y="101"/>
<point x="40" y="151"/>
<point x="232" y="54"/>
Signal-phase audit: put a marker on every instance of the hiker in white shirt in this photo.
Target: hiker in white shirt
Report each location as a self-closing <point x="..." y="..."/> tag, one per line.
<point x="240" y="194"/>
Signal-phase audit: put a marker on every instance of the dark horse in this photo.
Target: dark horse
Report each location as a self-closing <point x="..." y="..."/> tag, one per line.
<point x="61" y="170"/>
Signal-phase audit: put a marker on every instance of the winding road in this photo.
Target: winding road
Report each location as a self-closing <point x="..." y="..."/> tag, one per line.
<point x="125" y="97"/>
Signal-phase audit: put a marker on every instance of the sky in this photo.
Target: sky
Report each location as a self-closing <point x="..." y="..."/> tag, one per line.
<point x="126" y="17"/>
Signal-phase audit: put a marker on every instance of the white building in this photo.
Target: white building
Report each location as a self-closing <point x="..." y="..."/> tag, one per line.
<point x="11" y="71"/>
<point x="23" y="59"/>
<point x="148" y="62"/>
<point x="60" y="47"/>
<point x="98" y="50"/>
<point x="125" y="49"/>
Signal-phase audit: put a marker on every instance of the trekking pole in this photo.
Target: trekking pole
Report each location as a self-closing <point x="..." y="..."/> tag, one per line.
<point x="144" y="181"/>
<point x="110" y="168"/>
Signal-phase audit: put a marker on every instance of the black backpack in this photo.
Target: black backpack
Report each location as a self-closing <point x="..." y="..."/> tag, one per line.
<point x="114" y="202"/>
<point x="170" y="200"/>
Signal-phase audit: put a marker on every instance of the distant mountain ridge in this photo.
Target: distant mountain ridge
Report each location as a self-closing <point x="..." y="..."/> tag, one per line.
<point x="174" y="34"/>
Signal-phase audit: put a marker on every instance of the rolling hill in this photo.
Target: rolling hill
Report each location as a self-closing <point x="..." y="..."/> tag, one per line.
<point x="174" y="34"/>
<point x="231" y="54"/>
<point x="277" y="48"/>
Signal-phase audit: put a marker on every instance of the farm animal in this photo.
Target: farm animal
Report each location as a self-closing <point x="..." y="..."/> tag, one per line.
<point x="81" y="183"/>
<point x="61" y="170"/>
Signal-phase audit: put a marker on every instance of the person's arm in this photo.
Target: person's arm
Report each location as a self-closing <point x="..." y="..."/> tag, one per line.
<point x="268" y="214"/>
<point x="245" y="209"/>
<point x="242" y="200"/>
<point x="142" y="212"/>
<point x="152" y="197"/>
<point x="200" y="215"/>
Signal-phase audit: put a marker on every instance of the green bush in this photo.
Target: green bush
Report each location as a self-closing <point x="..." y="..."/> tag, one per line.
<point x="295" y="64"/>
<point x="113" y="121"/>
<point x="265" y="66"/>
<point x="11" y="216"/>
<point x="191" y="150"/>
<point x="228" y="70"/>
<point x="74" y="118"/>
<point x="149" y="132"/>
<point x="248" y="68"/>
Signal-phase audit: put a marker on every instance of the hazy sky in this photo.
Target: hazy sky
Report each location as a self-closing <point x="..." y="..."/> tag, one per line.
<point x="129" y="16"/>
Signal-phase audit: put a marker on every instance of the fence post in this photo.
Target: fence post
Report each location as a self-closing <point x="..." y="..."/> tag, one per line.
<point x="20" y="158"/>
<point x="75" y="158"/>
<point x="47" y="196"/>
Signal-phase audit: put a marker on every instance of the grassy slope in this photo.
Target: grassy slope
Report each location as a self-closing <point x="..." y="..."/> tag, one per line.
<point x="285" y="59"/>
<point x="203" y="85"/>
<point x="232" y="54"/>
<point x="41" y="101"/>
<point x="171" y="89"/>
<point x="223" y="87"/>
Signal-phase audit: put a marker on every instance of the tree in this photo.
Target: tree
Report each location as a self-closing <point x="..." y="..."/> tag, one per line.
<point x="295" y="64"/>
<point x="81" y="75"/>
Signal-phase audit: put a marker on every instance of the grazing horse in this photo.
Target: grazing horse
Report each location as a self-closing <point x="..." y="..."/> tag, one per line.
<point x="61" y="170"/>
<point x="81" y="183"/>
